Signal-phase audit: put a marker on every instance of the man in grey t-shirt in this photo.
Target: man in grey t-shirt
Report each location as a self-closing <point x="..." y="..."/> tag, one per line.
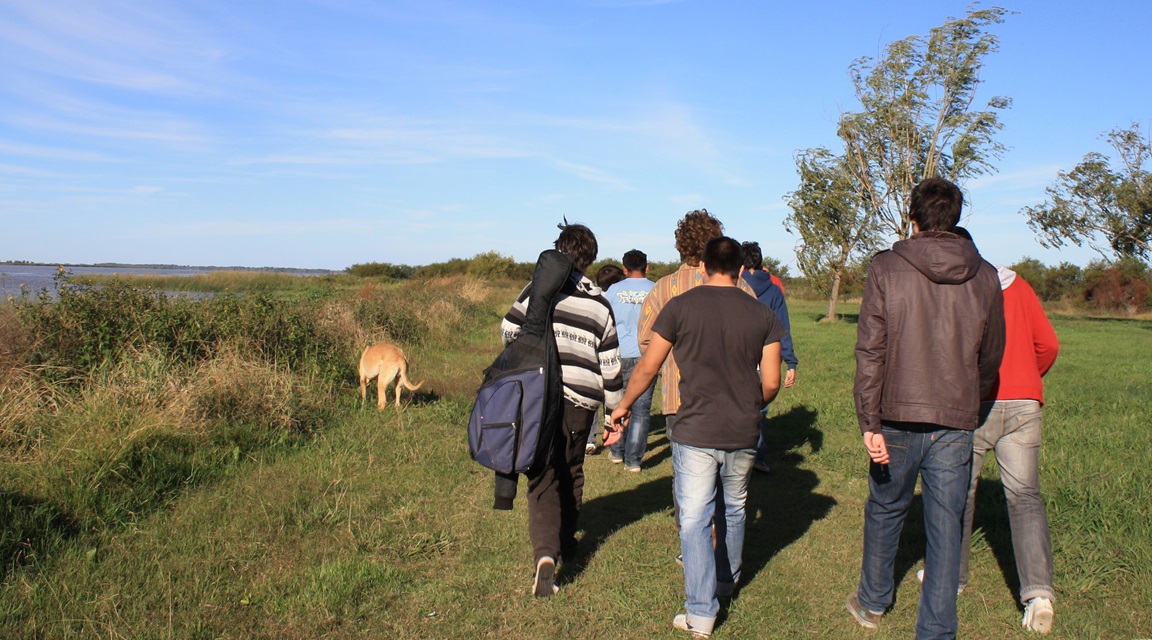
<point x="727" y="345"/>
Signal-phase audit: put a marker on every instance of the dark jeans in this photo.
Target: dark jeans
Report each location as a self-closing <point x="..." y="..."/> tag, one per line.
<point x="554" y="496"/>
<point x="942" y="459"/>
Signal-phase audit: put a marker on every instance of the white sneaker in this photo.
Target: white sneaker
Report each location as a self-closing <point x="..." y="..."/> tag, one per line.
<point x="920" y="577"/>
<point x="1038" y="614"/>
<point x="681" y="623"/>
<point x="544" y="584"/>
<point x="589" y="449"/>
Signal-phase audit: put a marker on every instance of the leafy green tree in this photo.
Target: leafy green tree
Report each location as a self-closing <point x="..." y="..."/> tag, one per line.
<point x="916" y="119"/>
<point x="1109" y="209"/>
<point x="836" y="232"/>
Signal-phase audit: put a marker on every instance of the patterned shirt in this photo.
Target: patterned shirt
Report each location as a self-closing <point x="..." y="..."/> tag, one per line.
<point x="668" y="287"/>
<point x="586" y="339"/>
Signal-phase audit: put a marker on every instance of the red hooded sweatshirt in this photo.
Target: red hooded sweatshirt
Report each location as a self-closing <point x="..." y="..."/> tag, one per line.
<point x="1031" y="343"/>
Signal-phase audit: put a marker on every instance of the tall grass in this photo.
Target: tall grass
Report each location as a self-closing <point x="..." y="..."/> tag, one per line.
<point x="239" y="495"/>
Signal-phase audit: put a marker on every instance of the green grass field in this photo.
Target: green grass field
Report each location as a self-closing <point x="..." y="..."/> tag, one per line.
<point x="379" y="525"/>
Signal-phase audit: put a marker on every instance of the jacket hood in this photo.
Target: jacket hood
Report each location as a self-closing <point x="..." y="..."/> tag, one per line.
<point x="581" y="282"/>
<point x="943" y="258"/>
<point x="1007" y="276"/>
<point x="760" y="281"/>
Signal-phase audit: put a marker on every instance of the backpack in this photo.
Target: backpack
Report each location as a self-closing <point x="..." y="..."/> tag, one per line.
<point x="519" y="406"/>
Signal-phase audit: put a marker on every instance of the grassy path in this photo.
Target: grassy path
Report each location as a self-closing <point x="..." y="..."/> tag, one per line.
<point x="381" y="526"/>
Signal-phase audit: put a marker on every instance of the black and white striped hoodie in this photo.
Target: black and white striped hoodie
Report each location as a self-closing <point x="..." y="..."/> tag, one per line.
<point x="586" y="339"/>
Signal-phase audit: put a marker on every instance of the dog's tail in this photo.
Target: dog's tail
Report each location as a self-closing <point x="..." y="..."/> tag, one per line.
<point x="404" y="377"/>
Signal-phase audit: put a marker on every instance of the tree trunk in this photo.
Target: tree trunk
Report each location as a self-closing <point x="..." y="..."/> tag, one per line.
<point x="831" y="317"/>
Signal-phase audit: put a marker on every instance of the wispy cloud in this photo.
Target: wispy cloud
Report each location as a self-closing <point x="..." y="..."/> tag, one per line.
<point x="151" y="47"/>
<point x="53" y="153"/>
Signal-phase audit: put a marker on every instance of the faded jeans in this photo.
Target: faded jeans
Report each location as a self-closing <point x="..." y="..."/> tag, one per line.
<point x="1012" y="430"/>
<point x="696" y="474"/>
<point x="942" y="459"/>
<point x="632" y="445"/>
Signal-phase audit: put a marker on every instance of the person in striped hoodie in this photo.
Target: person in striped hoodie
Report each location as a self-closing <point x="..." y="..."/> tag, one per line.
<point x="590" y="373"/>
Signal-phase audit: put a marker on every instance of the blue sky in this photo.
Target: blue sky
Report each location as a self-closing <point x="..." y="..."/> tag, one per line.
<point x="324" y="133"/>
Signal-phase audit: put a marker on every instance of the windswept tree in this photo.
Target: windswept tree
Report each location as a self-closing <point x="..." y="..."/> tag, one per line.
<point x="1109" y="209"/>
<point x="835" y="232"/>
<point x="916" y="121"/>
<point x="917" y="118"/>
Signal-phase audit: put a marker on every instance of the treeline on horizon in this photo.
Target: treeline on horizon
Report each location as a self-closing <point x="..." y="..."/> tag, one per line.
<point x="1120" y="286"/>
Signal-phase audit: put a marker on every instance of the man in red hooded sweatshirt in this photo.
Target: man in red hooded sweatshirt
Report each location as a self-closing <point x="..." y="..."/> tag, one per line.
<point x="1012" y="430"/>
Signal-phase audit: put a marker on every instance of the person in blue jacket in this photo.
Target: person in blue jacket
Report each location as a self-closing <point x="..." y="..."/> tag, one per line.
<point x="769" y="290"/>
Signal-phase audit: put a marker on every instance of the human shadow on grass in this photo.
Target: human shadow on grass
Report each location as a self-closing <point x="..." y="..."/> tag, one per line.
<point x="30" y="528"/>
<point x="603" y="516"/>
<point x="991" y="520"/>
<point x="782" y="505"/>
<point x="792" y="429"/>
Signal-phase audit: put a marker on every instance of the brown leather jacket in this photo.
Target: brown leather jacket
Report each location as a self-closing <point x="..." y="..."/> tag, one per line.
<point x="930" y="336"/>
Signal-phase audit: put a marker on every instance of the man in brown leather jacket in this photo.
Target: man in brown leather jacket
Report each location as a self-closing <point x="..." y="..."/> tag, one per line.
<point x="929" y="343"/>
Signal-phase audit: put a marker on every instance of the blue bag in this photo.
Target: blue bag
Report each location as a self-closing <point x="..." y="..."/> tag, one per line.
<point x="519" y="406"/>
<point x="506" y="418"/>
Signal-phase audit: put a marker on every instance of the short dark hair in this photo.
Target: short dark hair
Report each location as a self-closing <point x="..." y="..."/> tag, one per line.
<point x="693" y="231"/>
<point x="609" y="275"/>
<point x="635" y="260"/>
<point x="723" y="256"/>
<point x="935" y="204"/>
<point x="753" y="257"/>
<point x="578" y="243"/>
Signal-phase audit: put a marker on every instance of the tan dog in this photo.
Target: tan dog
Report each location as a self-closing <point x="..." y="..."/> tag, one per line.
<point x="384" y="362"/>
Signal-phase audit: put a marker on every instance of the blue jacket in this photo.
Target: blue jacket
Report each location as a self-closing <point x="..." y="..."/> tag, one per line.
<point x="771" y="295"/>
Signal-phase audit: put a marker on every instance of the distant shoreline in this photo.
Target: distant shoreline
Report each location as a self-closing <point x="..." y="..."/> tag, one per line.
<point x="122" y="265"/>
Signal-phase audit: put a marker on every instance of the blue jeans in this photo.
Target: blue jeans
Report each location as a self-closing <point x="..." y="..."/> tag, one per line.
<point x="1012" y="430"/>
<point x="632" y="445"/>
<point x="942" y="458"/>
<point x="694" y="482"/>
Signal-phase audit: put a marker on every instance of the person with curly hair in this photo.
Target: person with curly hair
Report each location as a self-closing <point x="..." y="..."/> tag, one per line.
<point x="693" y="232"/>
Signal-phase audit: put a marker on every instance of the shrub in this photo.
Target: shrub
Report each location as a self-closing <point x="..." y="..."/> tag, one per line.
<point x="1122" y="286"/>
<point x="382" y="270"/>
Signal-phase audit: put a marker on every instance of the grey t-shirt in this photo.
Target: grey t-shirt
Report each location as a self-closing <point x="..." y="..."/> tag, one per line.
<point x="718" y="335"/>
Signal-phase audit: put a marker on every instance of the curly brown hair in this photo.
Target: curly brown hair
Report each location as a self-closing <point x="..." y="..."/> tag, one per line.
<point x="693" y="232"/>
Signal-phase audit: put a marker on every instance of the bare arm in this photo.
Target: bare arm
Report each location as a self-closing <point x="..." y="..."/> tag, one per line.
<point x="770" y="371"/>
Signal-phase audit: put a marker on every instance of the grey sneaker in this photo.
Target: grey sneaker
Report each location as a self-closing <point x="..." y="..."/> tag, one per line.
<point x="761" y="466"/>
<point x="633" y="469"/>
<point x="544" y="585"/>
<point x="1038" y="615"/>
<point x="615" y="458"/>
<point x="681" y="623"/>
<point x="866" y="618"/>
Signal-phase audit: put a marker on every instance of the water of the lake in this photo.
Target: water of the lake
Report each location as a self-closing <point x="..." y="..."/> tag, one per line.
<point x="38" y="277"/>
